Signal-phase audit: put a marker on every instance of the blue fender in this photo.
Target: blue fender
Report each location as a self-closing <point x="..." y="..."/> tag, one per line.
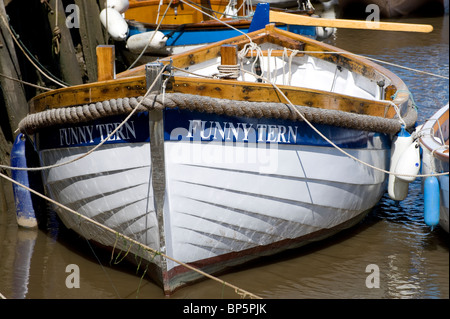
<point x="25" y="212"/>
<point x="432" y="201"/>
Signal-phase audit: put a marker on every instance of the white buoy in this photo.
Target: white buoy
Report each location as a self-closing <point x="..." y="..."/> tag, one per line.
<point x="323" y="33"/>
<point x="136" y="43"/>
<point x="408" y="165"/>
<point x="117" y="26"/>
<point x="119" y="5"/>
<point x="398" y="188"/>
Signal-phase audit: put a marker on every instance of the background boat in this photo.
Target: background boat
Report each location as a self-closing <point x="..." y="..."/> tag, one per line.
<point x="434" y="135"/>
<point x="189" y="24"/>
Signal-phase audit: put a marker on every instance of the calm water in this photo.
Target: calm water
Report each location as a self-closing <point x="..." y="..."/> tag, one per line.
<point x="413" y="261"/>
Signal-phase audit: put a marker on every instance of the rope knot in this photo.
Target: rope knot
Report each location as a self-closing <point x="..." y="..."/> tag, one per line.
<point x="56" y="40"/>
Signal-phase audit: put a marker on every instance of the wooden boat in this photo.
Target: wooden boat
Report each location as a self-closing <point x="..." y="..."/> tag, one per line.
<point x="434" y="143"/>
<point x="190" y="24"/>
<point x="216" y="168"/>
<point x="392" y="8"/>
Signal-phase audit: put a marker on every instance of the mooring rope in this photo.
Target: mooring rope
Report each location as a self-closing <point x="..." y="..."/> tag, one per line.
<point x="214" y="18"/>
<point x="243" y="293"/>
<point x="217" y="106"/>
<point x="25" y="82"/>
<point x="295" y="108"/>
<point x="153" y="35"/>
<point x="133" y="111"/>
<point x="276" y="110"/>
<point x="378" y="61"/>
<point x="6" y="24"/>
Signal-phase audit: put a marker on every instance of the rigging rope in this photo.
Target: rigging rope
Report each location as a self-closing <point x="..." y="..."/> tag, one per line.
<point x="243" y="293"/>
<point x="49" y="76"/>
<point x="151" y="39"/>
<point x="295" y="108"/>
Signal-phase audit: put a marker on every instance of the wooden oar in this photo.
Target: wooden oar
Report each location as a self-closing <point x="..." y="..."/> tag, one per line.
<point x="296" y="19"/>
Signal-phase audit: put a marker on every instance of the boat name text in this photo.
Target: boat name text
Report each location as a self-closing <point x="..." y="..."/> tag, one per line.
<point x="245" y="132"/>
<point x="88" y="134"/>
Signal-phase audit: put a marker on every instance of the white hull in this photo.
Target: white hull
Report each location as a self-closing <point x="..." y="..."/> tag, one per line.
<point x="225" y="203"/>
<point x="216" y="172"/>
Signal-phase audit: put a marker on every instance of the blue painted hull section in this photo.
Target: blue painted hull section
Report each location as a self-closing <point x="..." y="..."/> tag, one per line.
<point x="205" y="127"/>
<point x="197" y="37"/>
<point x="26" y="216"/>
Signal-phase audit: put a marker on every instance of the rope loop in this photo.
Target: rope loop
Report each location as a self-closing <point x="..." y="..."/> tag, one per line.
<point x="56" y="40"/>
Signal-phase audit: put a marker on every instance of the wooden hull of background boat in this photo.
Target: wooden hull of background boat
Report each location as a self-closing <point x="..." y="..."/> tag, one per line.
<point x="225" y="202"/>
<point x="436" y="129"/>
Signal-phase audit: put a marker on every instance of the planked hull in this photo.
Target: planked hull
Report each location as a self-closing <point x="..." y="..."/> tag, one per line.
<point x="219" y="169"/>
<point x="226" y="202"/>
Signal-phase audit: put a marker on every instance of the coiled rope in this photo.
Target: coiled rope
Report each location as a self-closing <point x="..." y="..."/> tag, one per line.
<point x="88" y="112"/>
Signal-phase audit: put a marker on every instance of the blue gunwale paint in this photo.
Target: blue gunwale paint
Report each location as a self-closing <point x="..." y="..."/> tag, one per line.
<point x="189" y="126"/>
<point x="204" y="36"/>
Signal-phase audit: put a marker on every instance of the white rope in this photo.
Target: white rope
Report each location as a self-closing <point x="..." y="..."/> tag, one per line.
<point x="26" y="55"/>
<point x="238" y="290"/>
<point x="212" y="17"/>
<point x="376" y="60"/>
<point x="228" y="71"/>
<point x="334" y="145"/>
<point x="151" y="39"/>
<point x="251" y="47"/>
<point x="25" y="82"/>
<point x="293" y="54"/>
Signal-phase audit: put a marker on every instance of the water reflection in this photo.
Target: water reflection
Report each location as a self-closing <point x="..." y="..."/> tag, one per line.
<point x="25" y="241"/>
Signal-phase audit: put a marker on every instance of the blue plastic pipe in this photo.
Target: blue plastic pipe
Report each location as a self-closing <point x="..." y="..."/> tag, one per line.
<point x="25" y="213"/>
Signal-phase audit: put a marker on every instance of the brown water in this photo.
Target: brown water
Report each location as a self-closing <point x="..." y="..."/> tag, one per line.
<point x="413" y="261"/>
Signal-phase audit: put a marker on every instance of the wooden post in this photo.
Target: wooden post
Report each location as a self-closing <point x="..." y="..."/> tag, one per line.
<point x="106" y="67"/>
<point x="229" y="60"/>
<point x="228" y="53"/>
<point x="91" y="34"/>
<point x="13" y="91"/>
<point x="70" y="69"/>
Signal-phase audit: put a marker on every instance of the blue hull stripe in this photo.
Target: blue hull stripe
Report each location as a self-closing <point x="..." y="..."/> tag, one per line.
<point x="195" y="37"/>
<point x="196" y="126"/>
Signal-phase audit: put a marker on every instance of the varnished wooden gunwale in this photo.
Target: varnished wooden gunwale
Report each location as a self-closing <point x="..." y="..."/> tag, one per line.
<point x="146" y="11"/>
<point x="132" y="83"/>
<point x="233" y="90"/>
